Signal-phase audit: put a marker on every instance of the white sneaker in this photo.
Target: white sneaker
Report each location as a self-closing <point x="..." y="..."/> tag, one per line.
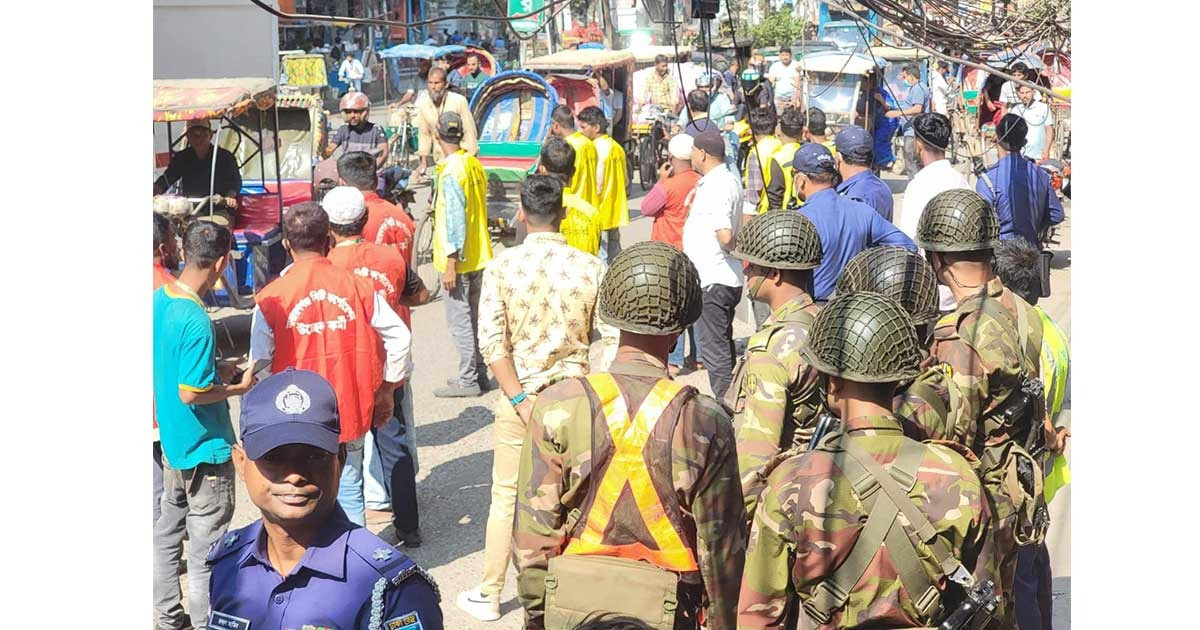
<point x="478" y="605"/>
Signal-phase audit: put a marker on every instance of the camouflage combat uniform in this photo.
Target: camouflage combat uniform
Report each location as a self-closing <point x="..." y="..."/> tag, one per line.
<point x="776" y="394"/>
<point x="981" y="344"/>
<point x="810" y="518"/>
<point x="816" y="509"/>
<point x="686" y="465"/>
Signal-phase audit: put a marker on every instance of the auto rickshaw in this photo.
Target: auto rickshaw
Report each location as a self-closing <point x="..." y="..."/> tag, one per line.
<point x="248" y="124"/>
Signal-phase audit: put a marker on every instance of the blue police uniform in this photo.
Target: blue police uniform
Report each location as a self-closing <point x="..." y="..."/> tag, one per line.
<point x="846" y="228"/>
<point x="1024" y="199"/>
<point x="869" y="189"/>
<point x="350" y="578"/>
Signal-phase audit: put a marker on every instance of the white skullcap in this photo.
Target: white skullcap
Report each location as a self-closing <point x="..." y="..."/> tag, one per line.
<point x="680" y="147"/>
<point x="344" y="205"/>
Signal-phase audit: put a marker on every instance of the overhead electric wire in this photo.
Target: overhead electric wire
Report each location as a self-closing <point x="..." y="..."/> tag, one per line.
<point x="380" y="22"/>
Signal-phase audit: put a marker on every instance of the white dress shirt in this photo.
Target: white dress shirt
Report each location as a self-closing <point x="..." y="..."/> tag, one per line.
<point x="715" y="203"/>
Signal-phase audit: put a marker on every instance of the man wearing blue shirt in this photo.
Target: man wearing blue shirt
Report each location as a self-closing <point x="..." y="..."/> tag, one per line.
<point x="304" y="564"/>
<point x="194" y="428"/>
<point x="1017" y="188"/>
<point x="854" y="158"/>
<point x="915" y="101"/>
<point x="846" y="226"/>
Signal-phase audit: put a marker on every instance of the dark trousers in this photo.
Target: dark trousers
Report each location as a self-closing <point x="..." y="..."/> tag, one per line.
<point x="1033" y="588"/>
<point x="715" y="329"/>
<point x="395" y="455"/>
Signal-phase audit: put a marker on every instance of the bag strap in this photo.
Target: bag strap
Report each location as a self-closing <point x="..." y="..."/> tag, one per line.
<point x="883" y="527"/>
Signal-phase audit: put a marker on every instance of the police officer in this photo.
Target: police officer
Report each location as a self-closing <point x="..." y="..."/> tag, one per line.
<point x="855" y="157"/>
<point x="775" y="394"/>
<point x="992" y="344"/>
<point x="846" y="226"/>
<point x="829" y="529"/>
<point x="932" y="404"/>
<point x="628" y="481"/>
<point x="304" y="564"/>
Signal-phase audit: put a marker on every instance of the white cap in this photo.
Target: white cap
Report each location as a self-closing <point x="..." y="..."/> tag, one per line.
<point x="680" y="147"/>
<point x="344" y="205"/>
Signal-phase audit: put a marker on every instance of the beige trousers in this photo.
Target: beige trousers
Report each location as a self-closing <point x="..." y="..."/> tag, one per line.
<point x="506" y="463"/>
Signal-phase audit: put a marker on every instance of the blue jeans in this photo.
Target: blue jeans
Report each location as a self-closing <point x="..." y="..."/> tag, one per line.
<point x="731" y="150"/>
<point x="354" y="84"/>
<point x="385" y="447"/>
<point x="610" y="245"/>
<point x="676" y="358"/>
<point x="350" y="492"/>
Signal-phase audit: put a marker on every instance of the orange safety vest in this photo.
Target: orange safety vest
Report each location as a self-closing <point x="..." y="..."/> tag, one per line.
<point x="320" y="316"/>
<point x="627" y="466"/>
<point x="382" y="265"/>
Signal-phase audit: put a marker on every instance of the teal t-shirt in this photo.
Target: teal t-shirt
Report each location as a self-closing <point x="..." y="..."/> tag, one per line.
<point x="185" y="357"/>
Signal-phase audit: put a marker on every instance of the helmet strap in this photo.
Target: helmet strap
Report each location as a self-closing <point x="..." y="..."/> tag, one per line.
<point x="753" y="289"/>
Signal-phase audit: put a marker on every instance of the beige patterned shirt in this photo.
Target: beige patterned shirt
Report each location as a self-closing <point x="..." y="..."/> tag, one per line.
<point x="538" y="306"/>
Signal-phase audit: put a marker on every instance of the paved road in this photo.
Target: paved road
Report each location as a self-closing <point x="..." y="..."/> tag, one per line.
<point x="455" y="442"/>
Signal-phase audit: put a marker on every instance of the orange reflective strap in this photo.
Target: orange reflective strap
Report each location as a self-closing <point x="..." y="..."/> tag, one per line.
<point x="627" y="466"/>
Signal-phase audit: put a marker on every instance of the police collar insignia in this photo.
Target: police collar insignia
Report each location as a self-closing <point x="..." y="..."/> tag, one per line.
<point x="382" y="553"/>
<point x="230" y="538"/>
<point x="292" y="400"/>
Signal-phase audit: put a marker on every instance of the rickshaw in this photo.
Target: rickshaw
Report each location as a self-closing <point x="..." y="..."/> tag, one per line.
<point x="512" y="115"/>
<point x="1056" y="77"/>
<point x="247" y="107"/>
<point x="650" y="126"/>
<point x="843" y="85"/>
<point x="570" y="73"/>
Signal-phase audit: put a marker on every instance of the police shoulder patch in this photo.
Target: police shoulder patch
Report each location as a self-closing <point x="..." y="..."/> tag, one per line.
<point x="407" y="621"/>
<point x="415" y="569"/>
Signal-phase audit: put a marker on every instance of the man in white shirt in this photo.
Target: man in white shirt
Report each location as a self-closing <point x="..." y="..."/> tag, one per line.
<point x="1041" y="124"/>
<point x="1008" y="92"/>
<point x="932" y="133"/>
<point x="939" y="89"/>
<point x="351" y="72"/>
<point x="708" y="239"/>
<point x="783" y="77"/>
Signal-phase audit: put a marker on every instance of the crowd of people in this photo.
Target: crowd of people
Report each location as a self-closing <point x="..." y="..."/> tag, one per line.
<point x="875" y="457"/>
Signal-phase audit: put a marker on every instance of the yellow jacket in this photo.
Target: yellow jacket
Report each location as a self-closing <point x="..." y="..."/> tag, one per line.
<point x="460" y="177"/>
<point x="583" y="182"/>
<point x="610" y="183"/>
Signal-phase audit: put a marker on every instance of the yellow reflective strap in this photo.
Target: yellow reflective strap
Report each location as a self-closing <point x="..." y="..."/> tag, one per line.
<point x="627" y="466"/>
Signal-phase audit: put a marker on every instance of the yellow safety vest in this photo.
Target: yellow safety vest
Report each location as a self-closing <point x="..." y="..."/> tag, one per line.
<point x="628" y="468"/>
<point x="767" y="145"/>
<point x="579" y="225"/>
<point x="614" y="202"/>
<point x="583" y="182"/>
<point x="783" y="156"/>
<point x="1055" y="360"/>
<point x="477" y="248"/>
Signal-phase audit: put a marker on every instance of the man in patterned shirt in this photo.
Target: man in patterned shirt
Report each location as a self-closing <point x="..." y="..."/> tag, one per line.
<point x="536" y="319"/>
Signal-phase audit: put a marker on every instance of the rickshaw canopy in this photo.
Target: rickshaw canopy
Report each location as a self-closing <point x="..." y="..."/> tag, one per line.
<point x="892" y="53"/>
<point x="579" y="60"/>
<point x="1004" y="59"/>
<point x="837" y="62"/>
<point x="204" y="99"/>
<point x="420" y="51"/>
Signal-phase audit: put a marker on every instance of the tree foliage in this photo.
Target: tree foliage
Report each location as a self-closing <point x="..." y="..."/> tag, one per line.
<point x="778" y="28"/>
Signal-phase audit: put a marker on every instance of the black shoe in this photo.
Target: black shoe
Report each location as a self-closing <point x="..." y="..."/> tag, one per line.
<point x="411" y="539"/>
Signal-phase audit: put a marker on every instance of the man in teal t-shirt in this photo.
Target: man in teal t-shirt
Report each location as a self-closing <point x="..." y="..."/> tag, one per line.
<point x="194" y="428"/>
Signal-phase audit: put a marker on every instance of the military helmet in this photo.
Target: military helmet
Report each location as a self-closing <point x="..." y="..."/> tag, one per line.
<point x="897" y="273"/>
<point x="864" y="337"/>
<point x="958" y="220"/>
<point x="779" y="240"/>
<point x="651" y="288"/>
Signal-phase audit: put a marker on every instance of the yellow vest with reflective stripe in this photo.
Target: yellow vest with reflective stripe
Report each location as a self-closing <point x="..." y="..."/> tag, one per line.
<point x="767" y="145"/>
<point x="579" y="225"/>
<point x="613" y="200"/>
<point x="627" y="467"/>
<point x="1055" y="368"/>
<point x="477" y="248"/>
<point x="783" y="156"/>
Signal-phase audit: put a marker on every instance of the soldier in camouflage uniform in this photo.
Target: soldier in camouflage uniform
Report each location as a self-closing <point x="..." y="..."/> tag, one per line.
<point x="992" y="344"/>
<point x="775" y="394"/>
<point x="661" y="489"/>
<point x="932" y="405"/>
<point x="829" y="531"/>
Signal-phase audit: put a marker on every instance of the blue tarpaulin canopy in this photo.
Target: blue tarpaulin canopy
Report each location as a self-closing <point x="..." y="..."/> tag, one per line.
<point x="420" y="51"/>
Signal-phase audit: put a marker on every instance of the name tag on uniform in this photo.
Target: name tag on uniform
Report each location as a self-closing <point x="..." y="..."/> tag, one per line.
<point x="410" y="621"/>
<point x="222" y="621"/>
